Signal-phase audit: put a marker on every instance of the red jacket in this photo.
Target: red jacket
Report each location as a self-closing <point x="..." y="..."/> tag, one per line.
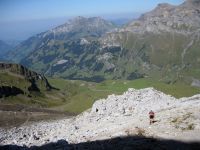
<point x="151" y="113"/>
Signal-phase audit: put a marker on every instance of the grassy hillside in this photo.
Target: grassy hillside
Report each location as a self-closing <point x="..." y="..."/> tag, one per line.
<point x="77" y="96"/>
<point x="42" y="98"/>
<point x="166" y="57"/>
<point x="81" y="95"/>
<point x="18" y="85"/>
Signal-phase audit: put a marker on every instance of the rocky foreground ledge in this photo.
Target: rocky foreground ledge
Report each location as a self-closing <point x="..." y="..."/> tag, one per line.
<point x="123" y="115"/>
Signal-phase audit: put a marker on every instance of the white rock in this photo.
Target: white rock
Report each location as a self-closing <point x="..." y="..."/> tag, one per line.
<point x="118" y="115"/>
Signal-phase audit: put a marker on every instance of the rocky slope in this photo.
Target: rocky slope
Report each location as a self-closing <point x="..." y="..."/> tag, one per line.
<point x="183" y="19"/>
<point x="117" y="116"/>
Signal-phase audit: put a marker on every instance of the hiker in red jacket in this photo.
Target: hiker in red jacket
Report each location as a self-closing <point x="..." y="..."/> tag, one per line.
<point x="151" y="117"/>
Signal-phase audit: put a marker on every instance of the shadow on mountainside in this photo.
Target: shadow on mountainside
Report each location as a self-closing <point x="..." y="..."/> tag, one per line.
<point x="119" y="143"/>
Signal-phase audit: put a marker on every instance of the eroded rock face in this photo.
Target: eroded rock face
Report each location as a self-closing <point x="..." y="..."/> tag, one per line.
<point x="182" y="19"/>
<point x="192" y="2"/>
<point x="117" y="116"/>
<point x="23" y="72"/>
<point x="20" y="70"/>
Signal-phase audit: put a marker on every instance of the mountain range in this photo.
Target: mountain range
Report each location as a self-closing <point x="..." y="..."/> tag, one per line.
<point x="4" y="48"/>
<point x="161" y="44"/>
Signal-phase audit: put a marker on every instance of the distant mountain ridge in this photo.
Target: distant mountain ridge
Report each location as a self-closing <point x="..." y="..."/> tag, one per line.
<point x="183" y="19"/>
<point x="4" y="48"/>
<point x="79" y="27"/>
<point x="162" y="44"/>
<point x="94" y="26"/>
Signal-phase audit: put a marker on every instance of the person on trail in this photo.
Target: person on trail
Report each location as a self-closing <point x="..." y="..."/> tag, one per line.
<point x="151" y="117"/>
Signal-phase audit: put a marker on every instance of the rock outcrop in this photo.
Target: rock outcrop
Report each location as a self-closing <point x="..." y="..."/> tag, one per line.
<point x="182" y="19"/>
<point x="117" y="116"/>
<point x="23" y="72"/>
<point x="16" y="79"/>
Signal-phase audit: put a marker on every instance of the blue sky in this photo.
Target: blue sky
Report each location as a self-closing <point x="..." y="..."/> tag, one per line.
<point x="16" y="10"/>
<point x="26" y="12"/>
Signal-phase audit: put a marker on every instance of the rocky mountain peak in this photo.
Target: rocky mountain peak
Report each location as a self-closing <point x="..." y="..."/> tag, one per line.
<point x="160" y="10"/>
<point x="79" y="18"/>
<point x="183" y="19"/>
<point x="193" y="1"/>
<point x="191" y="4"/>
<point x="81" y="23"/>
<point x="80" y="27"/>
<point x="92" y="21"/>
<point x="164" y="5"/>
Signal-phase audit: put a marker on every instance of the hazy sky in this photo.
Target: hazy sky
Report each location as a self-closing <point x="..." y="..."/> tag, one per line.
<point x="30" y="15"/>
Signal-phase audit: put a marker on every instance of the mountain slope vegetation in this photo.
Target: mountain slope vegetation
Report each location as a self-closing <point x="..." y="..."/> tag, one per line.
<point x="162" y="44"/>
<point x="21" y="86"/>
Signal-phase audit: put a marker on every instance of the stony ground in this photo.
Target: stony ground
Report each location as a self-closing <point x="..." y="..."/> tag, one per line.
<point x="117" y="116"/>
